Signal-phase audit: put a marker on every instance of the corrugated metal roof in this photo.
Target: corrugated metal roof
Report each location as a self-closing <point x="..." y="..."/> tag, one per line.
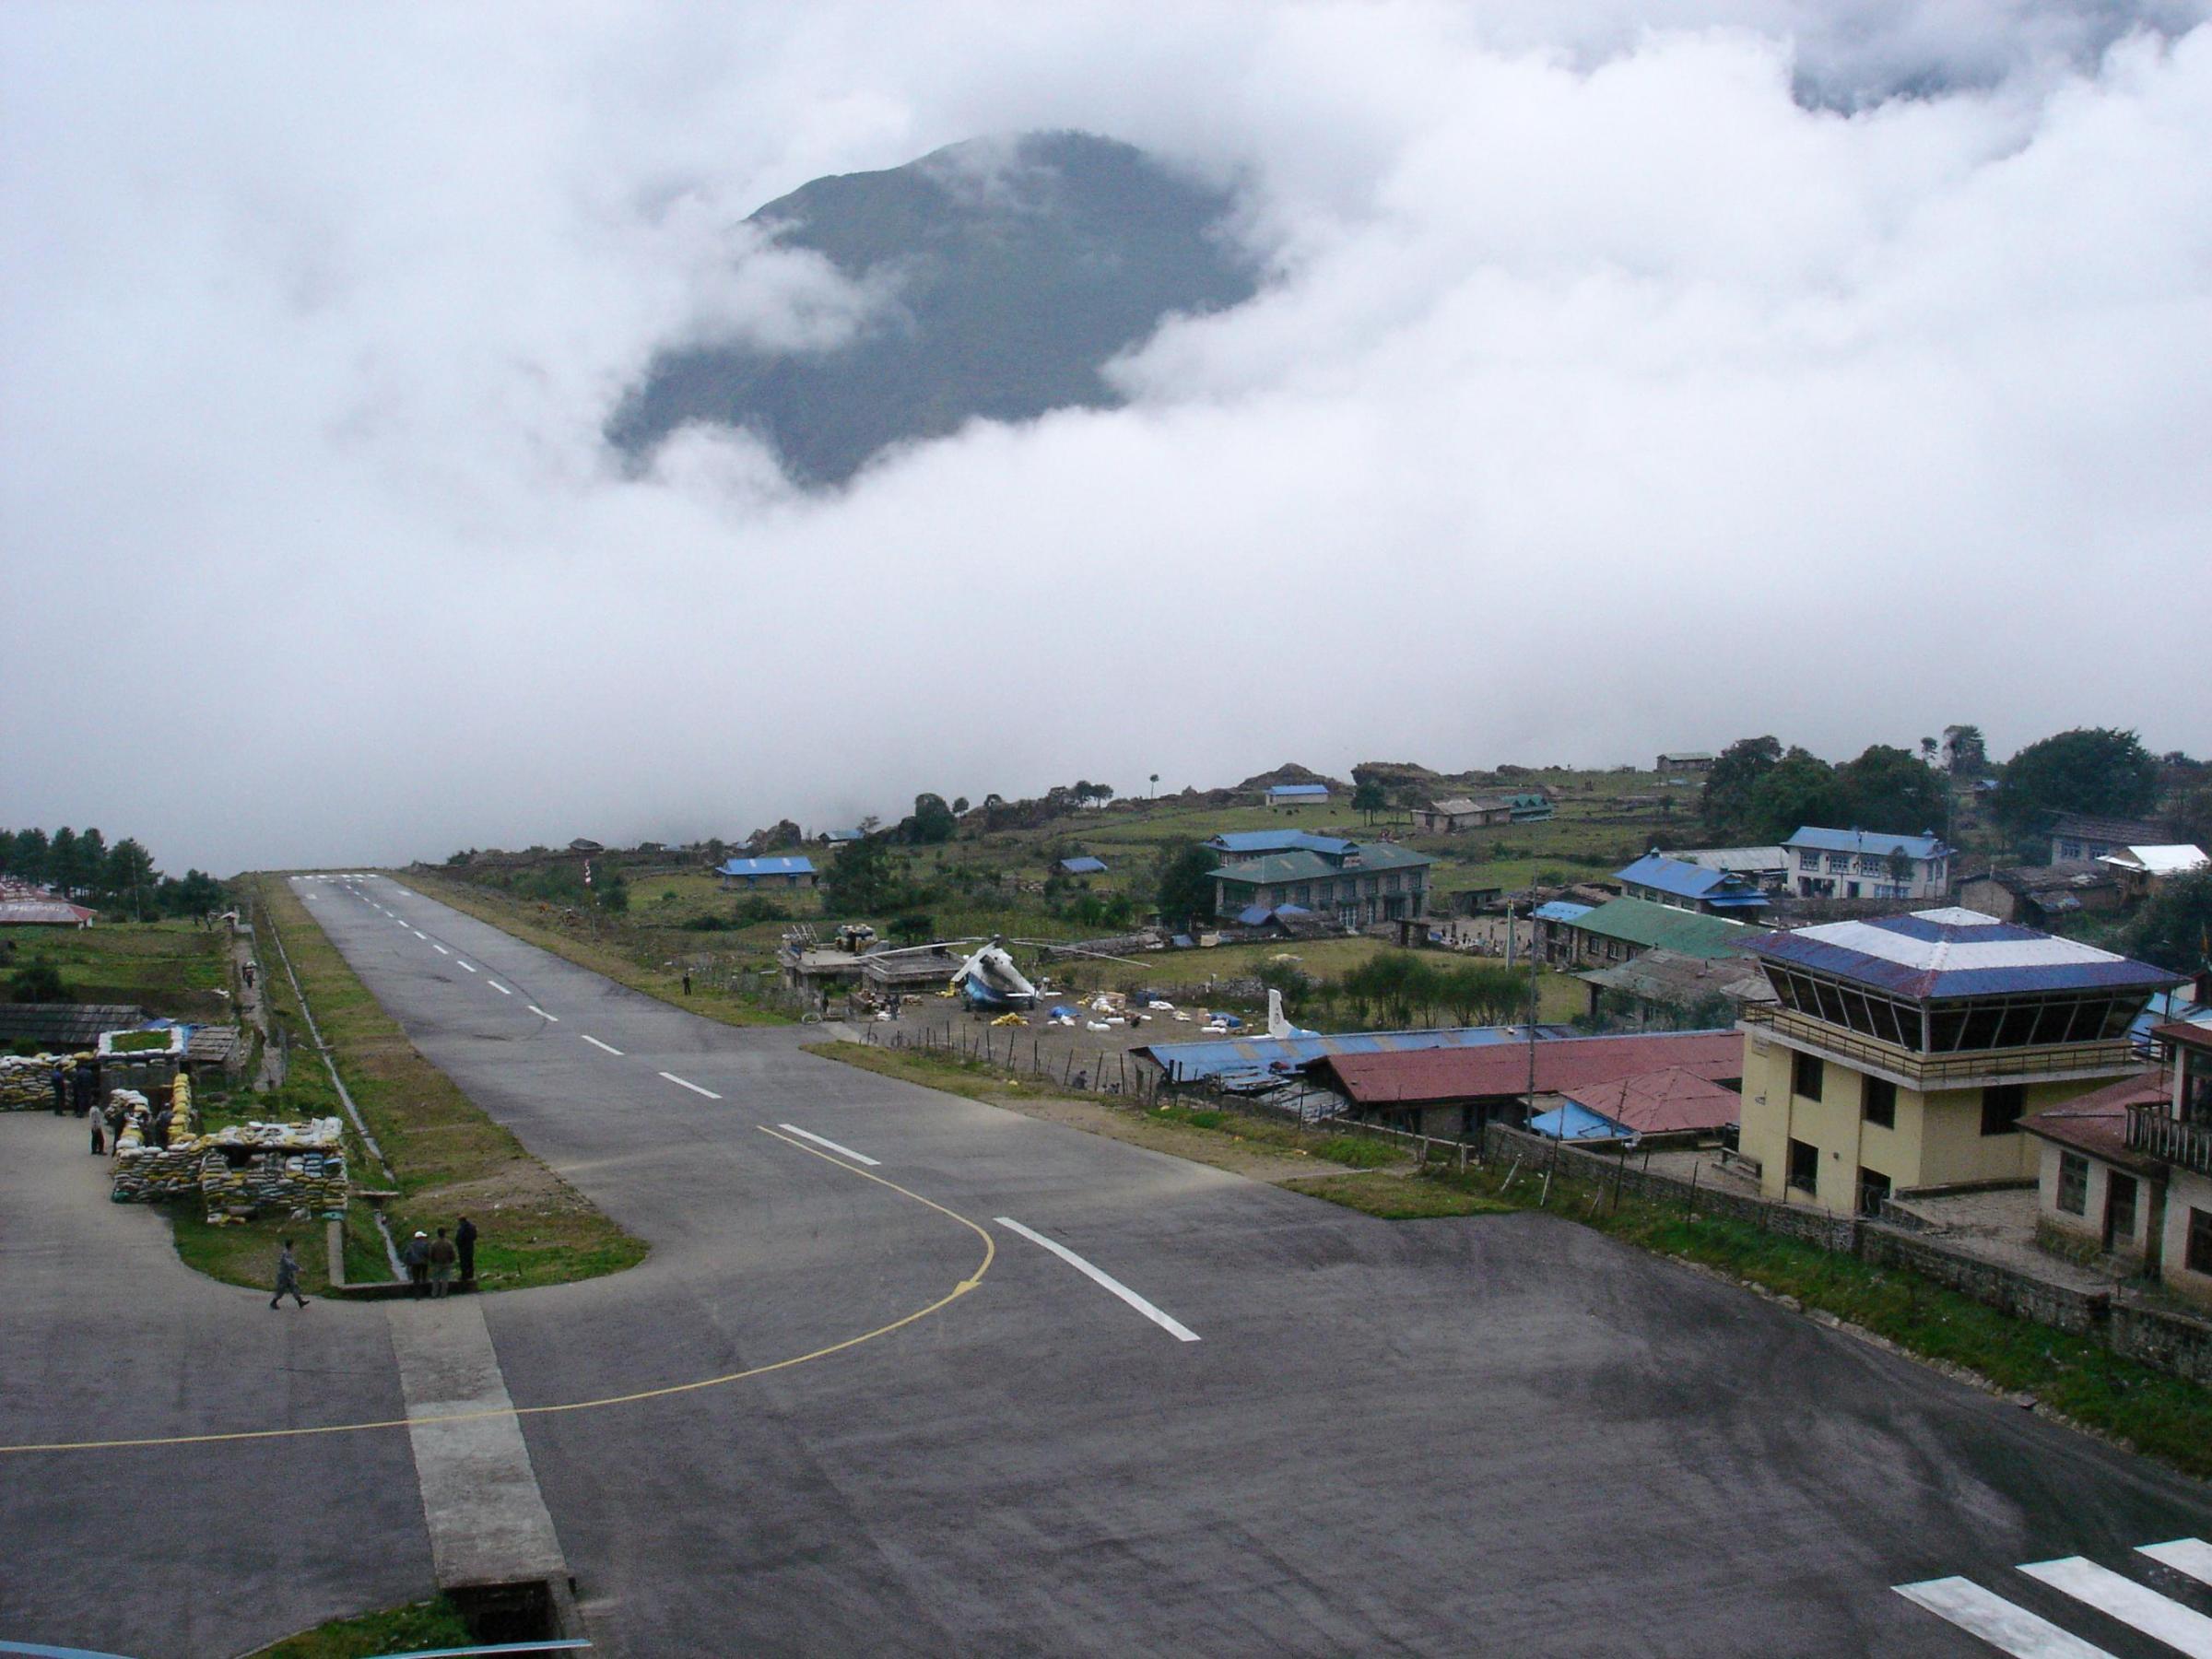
<point x="1502" y="1070"/>
<point x="1872" y="843"/>
<point x="783" y="864"/>
<point x="1305" y="791"/>
<point x="1561" y="909"/>
<point x="1370" y="858"/>
<point x="1279" y="841"/>
<point x="1085" y="865"/>
<point x="1640" y="921"/>
<point x="2178" y="859"/>
<point x="1667" y="874"/>
<point x="1954" y="952"/>
<point x="1668" y="1101"/>
<point x="1215" y="1056"/>
<point x="42" y="912"/>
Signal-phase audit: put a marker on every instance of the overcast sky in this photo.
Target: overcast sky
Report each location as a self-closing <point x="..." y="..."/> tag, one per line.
<point x="1628" y="378"/>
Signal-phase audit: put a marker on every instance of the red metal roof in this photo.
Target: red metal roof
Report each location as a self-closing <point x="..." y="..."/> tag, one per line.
<point x="1663" y="1102"/>
<point x="1564" y="1065"/>
<point x="2097" y="1122"/>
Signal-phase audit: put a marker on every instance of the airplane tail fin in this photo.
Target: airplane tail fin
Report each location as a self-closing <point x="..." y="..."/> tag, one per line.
<point x="1277" y="1026"/>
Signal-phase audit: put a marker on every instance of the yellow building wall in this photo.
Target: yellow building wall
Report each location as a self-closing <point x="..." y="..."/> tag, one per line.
<point x="1936" y="1140"/>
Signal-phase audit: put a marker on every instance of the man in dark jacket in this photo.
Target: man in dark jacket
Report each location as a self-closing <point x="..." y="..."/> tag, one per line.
<point x="417" y="1258"/>
<point x="61" y="1090"/>
<point x="464" y="1240"/>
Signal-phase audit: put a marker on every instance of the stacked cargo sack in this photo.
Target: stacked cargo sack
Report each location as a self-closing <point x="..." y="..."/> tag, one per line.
<point x="290" y="1167"/>
<point x="27" y="1081"/>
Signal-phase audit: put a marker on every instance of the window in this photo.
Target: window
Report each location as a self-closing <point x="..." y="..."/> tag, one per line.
<point x="1804" y="1166"/>
<point x="2074" y="1183"/>
<point x="1880" y="1101"/>
<point x="2002" y="1104"/>
<point x="1804" y="1076"/>
<point x="1809" y="858"/>
<point x="2119" y="1210"/>
<point x="2198" y="1251"/>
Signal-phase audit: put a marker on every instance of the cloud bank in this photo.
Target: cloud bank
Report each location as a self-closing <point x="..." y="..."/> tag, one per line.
<point x="1838" y="370"/>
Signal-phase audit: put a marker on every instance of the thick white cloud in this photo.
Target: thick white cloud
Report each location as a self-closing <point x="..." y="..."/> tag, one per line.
<point x="1619" y="388"/>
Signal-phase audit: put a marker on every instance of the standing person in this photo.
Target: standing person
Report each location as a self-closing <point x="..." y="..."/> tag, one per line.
<point x="96" y="1122"/>
<point x="442" y="1256"/>
<point x="80" y="1081"/>
<point x="464" y="1240"/>
<point x="287" y="1276"/>
<point x="686" y="981"/>
<point x="60" y="1079"/>
<point x="417" y="1258"/>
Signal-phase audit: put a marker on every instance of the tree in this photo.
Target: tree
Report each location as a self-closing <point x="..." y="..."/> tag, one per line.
<point x="960" y="806"/>
<point x="199" y="894"/>
<point x="26" y="855"/>
<point x="1186" y="884"/>
<point x="1726" y="801"/>
<point x="91" y="861"/>
<point x="2174" y="929"/>
<point x="1889" y="790"/>
<point x="61" y="861"/>
<point x="1798" y="789"/>
<point x="130" y="875"/>
<point x="913" y="927"/>
<point x="1969" y="751"/>
<point x="2191" y="818"/>
<point x="1155" y="785"/>
<point x="613" y="890"/>
<point x="2091" y="769"/>
<point x="1370" y="799"/>
<point x="864" y="879"/>
<point x="932" y="822"/>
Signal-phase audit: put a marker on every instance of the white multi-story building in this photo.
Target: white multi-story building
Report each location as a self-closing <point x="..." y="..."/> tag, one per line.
<point x="1859" y="864"/>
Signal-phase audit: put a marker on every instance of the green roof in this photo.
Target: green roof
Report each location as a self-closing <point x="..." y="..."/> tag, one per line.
<point x="1374" y="858"/>
<point x="1641" y="922"/>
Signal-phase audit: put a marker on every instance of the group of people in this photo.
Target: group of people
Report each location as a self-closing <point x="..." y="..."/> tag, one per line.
<point x="433" y="1263"/>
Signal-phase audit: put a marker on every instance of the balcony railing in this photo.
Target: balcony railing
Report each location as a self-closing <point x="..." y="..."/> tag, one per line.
<point x="2155" y="1130"/>
<point x="1925" y="1072"/>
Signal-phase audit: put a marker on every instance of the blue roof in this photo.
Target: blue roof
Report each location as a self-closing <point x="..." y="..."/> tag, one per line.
<point x="1085" y="865"/>
<point x="1218" y="1056"/>
<point x="1253" y="915"/>
<point x="781" y="864"/>
<point x="1868" y="841"/>
<point x="1666" y="875"/>
<point x="1561" y="909"/>
<point x="1280" y="841"/>
<point x="1952" y="952"/>
<point x="1306" y="791"/>
<point x="1580" y="1123"/>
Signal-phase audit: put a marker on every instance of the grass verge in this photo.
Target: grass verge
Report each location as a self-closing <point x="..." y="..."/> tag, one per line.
<point x="640" y="966"/>
<point x="1392" y="1198"/>
<point x="431" y="1624"/>
<point x="448" y="1158"/>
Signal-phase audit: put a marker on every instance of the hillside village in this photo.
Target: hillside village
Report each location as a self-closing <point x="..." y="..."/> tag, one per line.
<point x="1918" y="987"/>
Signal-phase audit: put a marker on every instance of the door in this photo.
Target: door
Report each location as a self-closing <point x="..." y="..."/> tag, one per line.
<point x="1874" y="1191"/>
<point x="2119" y="1212"/>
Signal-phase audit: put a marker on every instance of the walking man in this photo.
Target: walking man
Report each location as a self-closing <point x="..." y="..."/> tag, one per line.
<point x="442" y="1256"/>
<point x="417" y="1259"/>
<point x="97" y="1120"/>
<point x="464" y="1240"/>
<point x="287" y="1276"/>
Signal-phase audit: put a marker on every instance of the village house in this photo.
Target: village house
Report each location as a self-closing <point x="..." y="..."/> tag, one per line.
<point x="774" y="871"/>
<point x="1768" y="867"/>
<point x="2143" y="870"/>
<point x="1082" y="864"/>
<point x="1859" y="864"/>
<point x="1687" y="760"/>
<point x="1903" y="1053"/>
<point x="1297" y="794"/>
<point x="1627" y="927"/>
<point x="1662" y="985"/>
<point x="2038" y="894"/>
<point x="1453" y="1092"/>
<point x="1358" y="883"/>
<point x="2128" y="1168"/>
<point x="1689" y="887"/>
<point x="1476" y="812"/>
<point x="2076" y="836"/>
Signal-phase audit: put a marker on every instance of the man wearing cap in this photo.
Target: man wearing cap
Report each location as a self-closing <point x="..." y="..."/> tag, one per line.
<point x="417" y="1255"/>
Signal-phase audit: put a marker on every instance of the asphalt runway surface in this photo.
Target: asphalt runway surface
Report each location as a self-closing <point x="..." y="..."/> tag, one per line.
<point x="1281" y="1426"/>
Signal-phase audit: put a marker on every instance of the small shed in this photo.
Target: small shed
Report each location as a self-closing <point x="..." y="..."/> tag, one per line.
<point x="1083" y="865"/>
<point x="778" y="870"/>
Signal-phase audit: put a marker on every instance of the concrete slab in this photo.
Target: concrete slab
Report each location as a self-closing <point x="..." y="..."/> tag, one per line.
<point x="488" y="1520"/>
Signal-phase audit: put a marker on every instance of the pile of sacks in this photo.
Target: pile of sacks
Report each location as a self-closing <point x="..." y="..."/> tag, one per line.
<point x="27" y="1080"/>
<point x="287" y="1167"/>
<point x="238" y="1171"/>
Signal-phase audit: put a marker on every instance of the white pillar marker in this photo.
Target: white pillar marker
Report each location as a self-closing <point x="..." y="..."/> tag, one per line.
<point x="1175" y="1328"/>
<point x="609" y="1047"/>
<point x="2008" y="1629"/>
<point x="543" y="1015"/>
<point x="823" y="1140"/>
<point x="694" y="1088"/>
<point x="2180" y="1628"/>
